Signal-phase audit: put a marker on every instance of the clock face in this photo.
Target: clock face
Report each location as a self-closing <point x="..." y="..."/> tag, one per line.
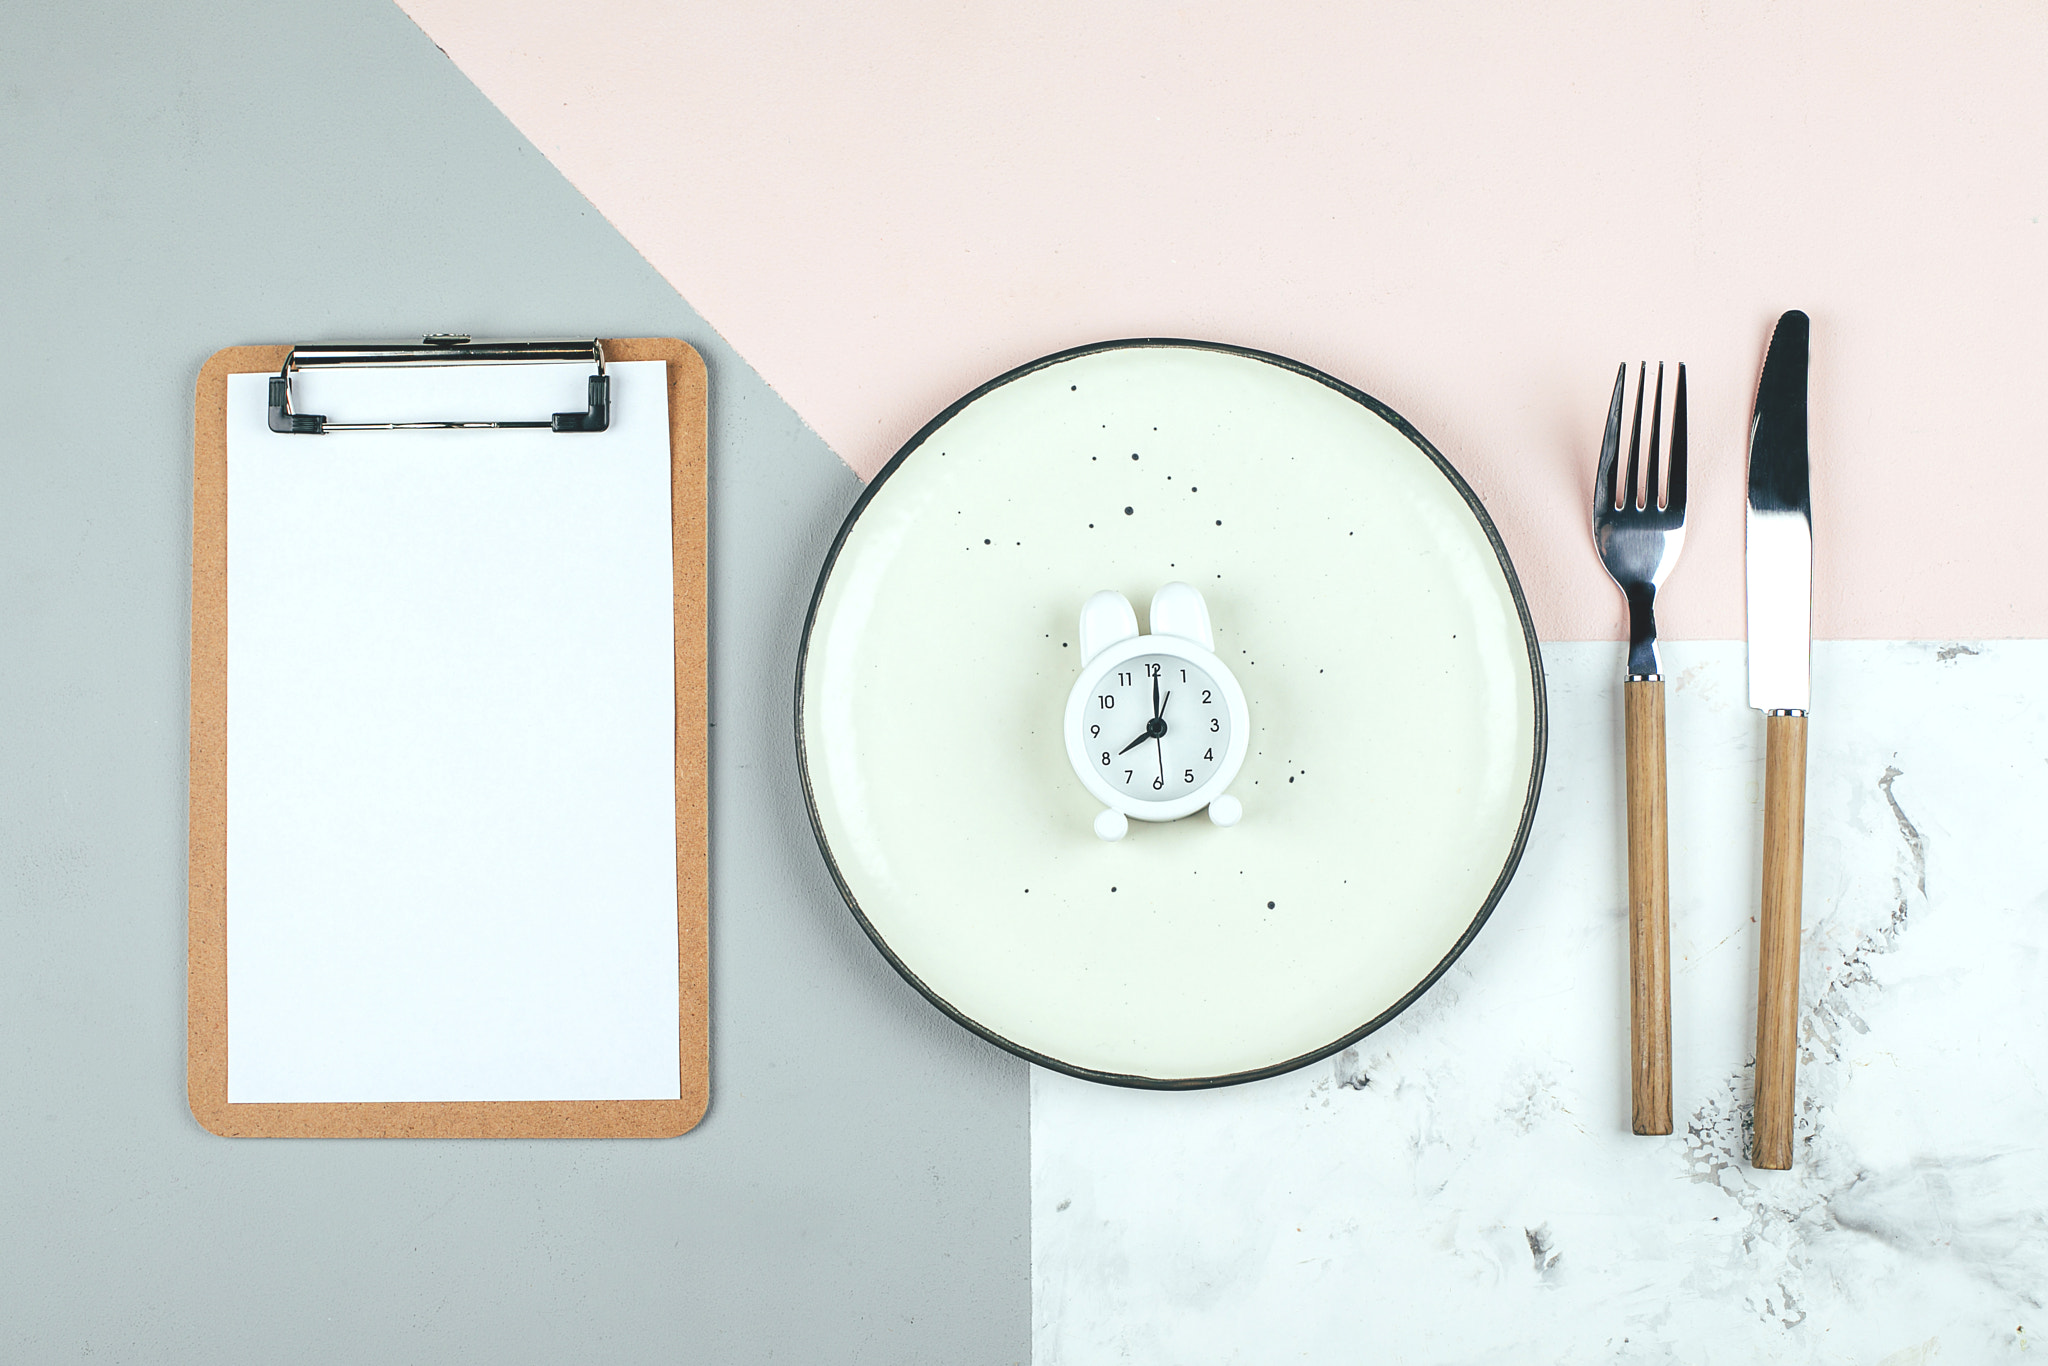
<point x="1155" y="727"/>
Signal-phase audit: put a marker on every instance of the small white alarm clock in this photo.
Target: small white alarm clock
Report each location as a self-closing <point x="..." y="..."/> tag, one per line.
<point x="1156" y="725"/>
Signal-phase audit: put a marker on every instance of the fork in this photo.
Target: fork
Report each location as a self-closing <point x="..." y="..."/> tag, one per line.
<point x="1639" y="541"/>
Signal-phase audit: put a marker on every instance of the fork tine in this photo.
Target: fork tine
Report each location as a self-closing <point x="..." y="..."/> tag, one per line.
<point x="1651" y="487"/>
<point x="1604" y="492"/>
<point x="1635" y="439"/>
<point x="1674" y="498"/>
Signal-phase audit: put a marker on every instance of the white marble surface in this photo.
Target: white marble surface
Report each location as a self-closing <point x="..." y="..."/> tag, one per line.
<point x="1462" y="1186"/>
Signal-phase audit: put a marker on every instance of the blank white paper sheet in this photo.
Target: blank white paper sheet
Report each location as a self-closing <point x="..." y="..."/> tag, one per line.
<point x="451" y="864"/>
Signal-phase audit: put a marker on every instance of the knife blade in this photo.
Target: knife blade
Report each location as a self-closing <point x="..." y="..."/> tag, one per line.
<point x="1779" y="526"/>
<point x="1779" y="590"/>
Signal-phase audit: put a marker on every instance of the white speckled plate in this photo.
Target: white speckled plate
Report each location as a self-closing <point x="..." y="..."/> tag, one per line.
<point x="1364" y="601"/>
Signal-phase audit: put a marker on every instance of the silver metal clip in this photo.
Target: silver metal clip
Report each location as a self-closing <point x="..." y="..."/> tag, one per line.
<point x="441" y="348"/>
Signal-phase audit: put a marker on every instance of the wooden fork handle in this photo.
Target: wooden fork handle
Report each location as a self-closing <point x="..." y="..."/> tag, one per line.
<point x="1649" y="911"/>
<point x="1777" y="983"/>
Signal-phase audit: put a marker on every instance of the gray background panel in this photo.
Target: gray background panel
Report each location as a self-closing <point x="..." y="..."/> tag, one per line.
<point x="185" y="178"/>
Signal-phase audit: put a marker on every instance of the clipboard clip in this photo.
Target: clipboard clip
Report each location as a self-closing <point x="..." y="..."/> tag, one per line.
<point x="442" y="348"/>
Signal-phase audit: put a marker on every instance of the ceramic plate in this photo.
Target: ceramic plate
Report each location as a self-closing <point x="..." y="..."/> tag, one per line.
<point x="1364" y="601"/>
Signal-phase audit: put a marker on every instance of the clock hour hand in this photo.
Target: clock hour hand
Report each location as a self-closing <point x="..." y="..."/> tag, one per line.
<point x="1154" y="728"/>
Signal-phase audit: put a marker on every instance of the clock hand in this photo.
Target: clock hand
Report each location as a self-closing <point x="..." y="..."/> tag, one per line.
<point x="1155" y="696"/>
<point x="1162" y="761"/>
<point x="1154" y="728"/>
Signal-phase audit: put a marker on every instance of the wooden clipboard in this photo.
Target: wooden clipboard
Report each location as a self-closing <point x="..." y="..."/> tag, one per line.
<point x="207" y="966"/>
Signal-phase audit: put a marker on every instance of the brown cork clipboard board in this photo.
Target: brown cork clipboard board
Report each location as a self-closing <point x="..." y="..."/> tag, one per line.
<point x="206" y="1076"/>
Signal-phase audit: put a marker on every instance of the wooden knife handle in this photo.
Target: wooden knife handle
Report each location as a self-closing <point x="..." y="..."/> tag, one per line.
<point x="1649" y="912"/>
<point x="1777" y="983"/>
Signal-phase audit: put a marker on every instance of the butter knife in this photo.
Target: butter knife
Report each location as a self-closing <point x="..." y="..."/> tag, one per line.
<point x="1779" y="557"/>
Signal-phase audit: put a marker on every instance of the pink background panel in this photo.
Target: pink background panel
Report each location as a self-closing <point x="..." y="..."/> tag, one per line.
<point x="1471" y="211"/>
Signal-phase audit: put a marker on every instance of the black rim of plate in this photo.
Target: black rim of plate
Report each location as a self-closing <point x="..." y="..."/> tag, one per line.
<point x="1507" y="568"/>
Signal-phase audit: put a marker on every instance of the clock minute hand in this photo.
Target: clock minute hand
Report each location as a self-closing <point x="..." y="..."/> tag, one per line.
<point x="1154" y="728"/>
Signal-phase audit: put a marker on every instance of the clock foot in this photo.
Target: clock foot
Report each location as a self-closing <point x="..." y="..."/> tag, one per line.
<point x="1226" y="810"/>
<point x="1111" y="825"/>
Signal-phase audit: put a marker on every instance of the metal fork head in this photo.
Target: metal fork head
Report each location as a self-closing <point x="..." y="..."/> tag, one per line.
<point x="1639" y="528"/>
